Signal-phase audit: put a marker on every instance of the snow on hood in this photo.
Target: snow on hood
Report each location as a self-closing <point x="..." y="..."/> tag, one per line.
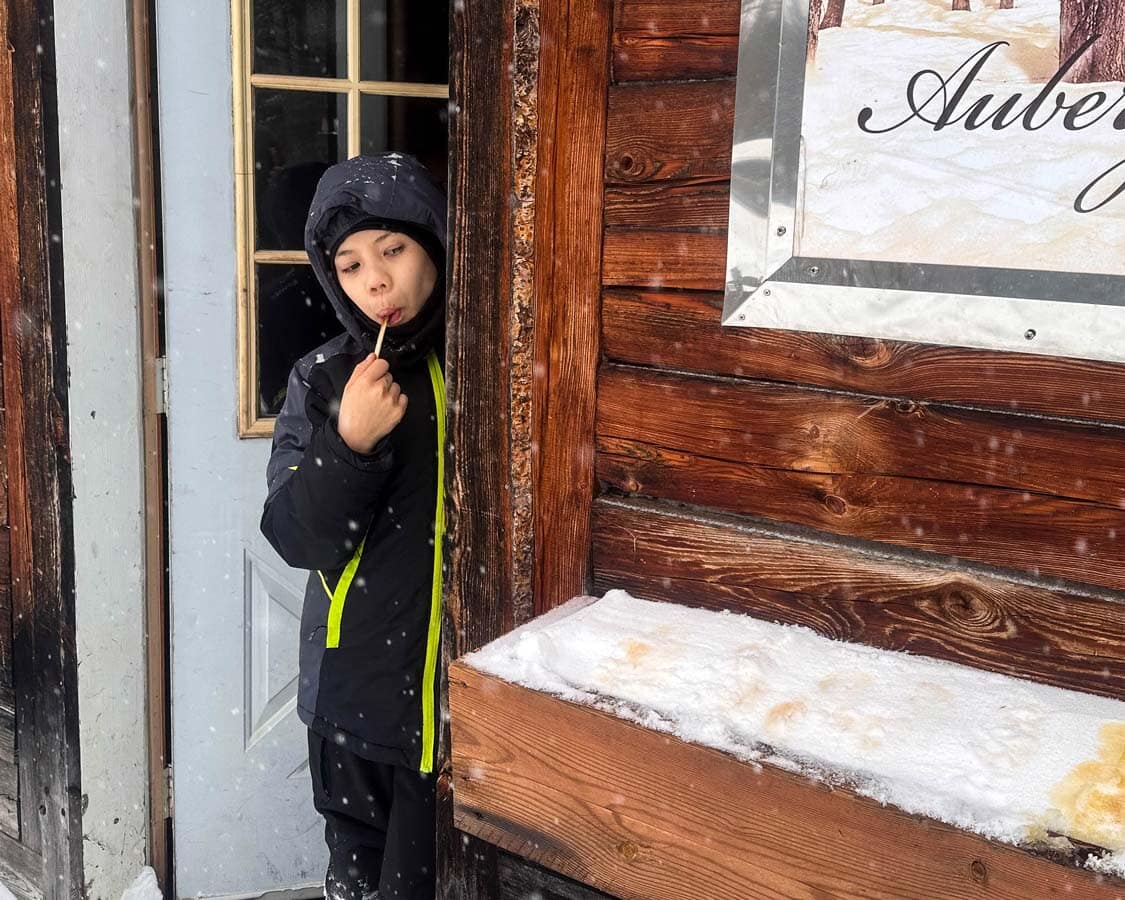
<point x="391" y="186"/>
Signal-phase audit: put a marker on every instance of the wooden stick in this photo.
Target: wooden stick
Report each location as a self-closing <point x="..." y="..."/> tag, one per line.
<point x="379" y="340"/>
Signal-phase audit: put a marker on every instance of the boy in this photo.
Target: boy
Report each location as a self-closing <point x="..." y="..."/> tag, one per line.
<point x="355" y="479"/>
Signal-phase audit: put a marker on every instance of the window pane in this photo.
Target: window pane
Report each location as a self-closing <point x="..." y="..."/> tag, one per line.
<point x="301" y="37"/>
<point x="414" y="125"/>
<point x="297" y="135"/>
<point x="294" y="317"/>
<point x="405" y="40"/>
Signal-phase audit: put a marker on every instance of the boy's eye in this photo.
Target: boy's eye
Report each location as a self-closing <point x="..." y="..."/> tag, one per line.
<point x="347" y="270"/>
<point x="395" y="251"/>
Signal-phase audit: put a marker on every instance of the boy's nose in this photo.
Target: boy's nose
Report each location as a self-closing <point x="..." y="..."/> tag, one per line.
<point x="377" y="283"/>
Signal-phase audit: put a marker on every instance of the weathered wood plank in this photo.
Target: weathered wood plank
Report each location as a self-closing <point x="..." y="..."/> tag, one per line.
<point x="574" y="67"/>
<point x="21" y="870"/>
<point x="659" y="41"/>
<point x="804" y="430"/>
<point x="682" y="330"/>
<point x="478" y="547"/>
<point x="657" y="132"/>
<point x="153" y="441"/>
<point x="523" y="880"/>
<point x="1050" y="636"/>
<point x="644" y="815"/>
<point x="1013" y="529"/>
<point x="5" y="613"/>
<point x="16" y="508"/>
<point x="9" y="772"/>
<point x="33" y="341"/>
<point x="682" y="204"/>
<point x="668" y="259"/>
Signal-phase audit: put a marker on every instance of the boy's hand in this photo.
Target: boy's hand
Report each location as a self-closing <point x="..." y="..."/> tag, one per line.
<point x="372" y="405"/>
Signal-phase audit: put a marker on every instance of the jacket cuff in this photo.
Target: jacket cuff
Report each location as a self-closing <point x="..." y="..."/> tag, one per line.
<point x="378" y="460"/>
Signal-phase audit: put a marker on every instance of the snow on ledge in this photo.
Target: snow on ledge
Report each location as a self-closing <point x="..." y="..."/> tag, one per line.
<point x="1009" y="759"/>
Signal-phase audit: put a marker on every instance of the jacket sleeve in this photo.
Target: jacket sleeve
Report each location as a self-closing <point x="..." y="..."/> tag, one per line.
<point x="322" y="494"/>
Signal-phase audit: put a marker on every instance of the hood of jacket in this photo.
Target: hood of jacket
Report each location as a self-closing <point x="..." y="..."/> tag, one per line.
<point x="396" y="189"/>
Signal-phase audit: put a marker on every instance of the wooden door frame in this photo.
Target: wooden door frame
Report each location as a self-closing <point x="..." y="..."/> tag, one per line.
<point x="154" y="442"/>
<point x="46" y="860"/>
<point x="528" y="83"/>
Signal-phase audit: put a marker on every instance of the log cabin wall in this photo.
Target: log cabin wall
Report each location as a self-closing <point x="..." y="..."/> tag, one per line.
<point x="963" y="504"/>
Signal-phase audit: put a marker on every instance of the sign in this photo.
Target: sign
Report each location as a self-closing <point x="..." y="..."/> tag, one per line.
<point x="943" y="171"/>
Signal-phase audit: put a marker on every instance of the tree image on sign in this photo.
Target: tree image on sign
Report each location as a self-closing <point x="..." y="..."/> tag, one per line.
<point x="814" y="27"/>
<point x="1081" y="20"/>
<point x="914" y="113"/>
<point x="833" y="14"/>
<point x="834" y="17"/>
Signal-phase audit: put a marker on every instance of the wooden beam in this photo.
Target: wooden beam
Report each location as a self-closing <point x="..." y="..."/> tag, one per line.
<point x="9" y="285"/>
<point x="642" y="814"/>
<point x="664" y="259"/>
<point x="682" y="330"/>
<point x="33" y="339"/>
<point x="153" y="441"/>
<point x="490" y="364"/>
<point x="1011" y="529"/>
<point x="700" y="203"/>
<point x="573" y="81"/>
<point x="654" y="40"/>
<point x="1053" y="637"/>
<point x="998" y="489"/>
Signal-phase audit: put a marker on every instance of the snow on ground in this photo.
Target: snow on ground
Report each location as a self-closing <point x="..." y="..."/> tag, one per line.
<point x="1007" y="758"/>
<point x="980" y="198"/>
<point x="6" y="894"/>
<point x="145" y="887"/>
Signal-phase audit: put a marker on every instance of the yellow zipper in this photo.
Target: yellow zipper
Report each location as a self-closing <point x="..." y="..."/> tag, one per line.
<point x="430" y="672"/>
<point x="336" y="606"/>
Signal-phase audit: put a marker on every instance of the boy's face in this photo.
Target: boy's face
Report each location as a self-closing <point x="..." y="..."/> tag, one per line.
<point x="386" y="274"/>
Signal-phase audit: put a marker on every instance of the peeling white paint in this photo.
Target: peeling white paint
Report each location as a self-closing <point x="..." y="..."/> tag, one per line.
<point x="100" y="269"/>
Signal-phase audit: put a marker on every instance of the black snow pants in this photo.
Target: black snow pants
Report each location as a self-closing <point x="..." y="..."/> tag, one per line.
<point x="379" y="824"/>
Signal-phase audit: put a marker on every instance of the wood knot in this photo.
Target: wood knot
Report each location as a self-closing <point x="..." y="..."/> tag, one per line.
<point x="868" y="353"/>
<point x="978" y="871"/>
<point x="836" y="505"/>
<point x="630" y="164"/>
<point x="973" y="611"/>
<point x="627" y="850"/>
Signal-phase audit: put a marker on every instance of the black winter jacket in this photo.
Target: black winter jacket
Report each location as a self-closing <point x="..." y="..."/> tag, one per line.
<point x="368" y="526"/>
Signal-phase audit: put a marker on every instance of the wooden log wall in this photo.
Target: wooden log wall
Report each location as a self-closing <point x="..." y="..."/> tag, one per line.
<point x="40" y="786"/>
<point x="964" y="504"/>
<point x="961" y="504"/>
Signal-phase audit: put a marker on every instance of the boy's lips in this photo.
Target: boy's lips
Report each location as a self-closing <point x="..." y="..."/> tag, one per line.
<point x="390" y="316"/>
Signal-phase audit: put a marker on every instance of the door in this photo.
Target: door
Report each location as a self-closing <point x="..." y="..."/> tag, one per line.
<point x="276" y="90"/>
<point x="243" y="820"/>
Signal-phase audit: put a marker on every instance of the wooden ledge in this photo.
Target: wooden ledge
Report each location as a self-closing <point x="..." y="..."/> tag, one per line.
<point x="640" y="814"/>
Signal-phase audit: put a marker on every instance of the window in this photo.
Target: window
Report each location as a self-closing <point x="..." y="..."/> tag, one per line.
<point x="317" y="82"/>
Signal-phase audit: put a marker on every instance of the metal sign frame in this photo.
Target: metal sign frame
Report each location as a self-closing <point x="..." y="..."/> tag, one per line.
<point x="768" y="285"/>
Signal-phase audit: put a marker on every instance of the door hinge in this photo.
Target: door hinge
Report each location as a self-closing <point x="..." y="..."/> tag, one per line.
<point x="161" y="372"/>
<point x="169" y="793"/>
